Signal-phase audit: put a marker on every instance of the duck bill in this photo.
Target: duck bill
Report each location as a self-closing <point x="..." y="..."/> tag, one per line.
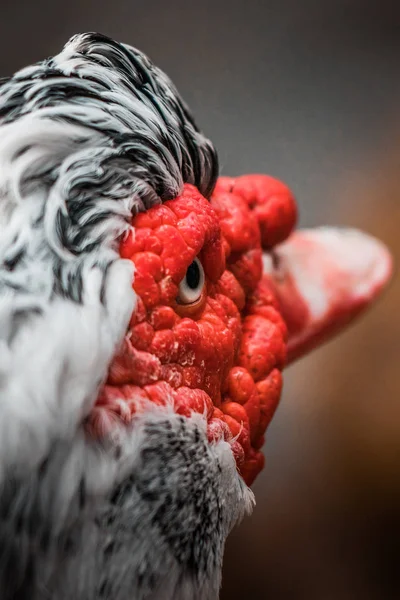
<point x="323" y="279"/>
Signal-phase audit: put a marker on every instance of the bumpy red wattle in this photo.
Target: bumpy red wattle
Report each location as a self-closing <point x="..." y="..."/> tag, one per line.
<point x="223" y="359"/>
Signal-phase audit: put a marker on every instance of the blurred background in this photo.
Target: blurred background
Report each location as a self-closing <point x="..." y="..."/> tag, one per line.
<point x="307" y="91"/>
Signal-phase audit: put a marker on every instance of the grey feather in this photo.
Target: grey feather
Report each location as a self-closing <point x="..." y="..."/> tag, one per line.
<point x="159" y="534"/>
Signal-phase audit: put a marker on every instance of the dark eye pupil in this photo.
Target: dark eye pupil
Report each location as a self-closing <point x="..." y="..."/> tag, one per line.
<point x="193" y="275"/>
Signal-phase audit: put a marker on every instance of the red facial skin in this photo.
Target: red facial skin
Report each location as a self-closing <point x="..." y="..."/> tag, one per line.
<point x="222" y="355"/>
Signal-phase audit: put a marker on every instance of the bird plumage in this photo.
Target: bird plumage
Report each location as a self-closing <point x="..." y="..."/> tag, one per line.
<point x="87" y="139"/>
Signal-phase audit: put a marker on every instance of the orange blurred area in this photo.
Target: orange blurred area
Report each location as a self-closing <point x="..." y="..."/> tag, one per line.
<point x="327" y="521"/>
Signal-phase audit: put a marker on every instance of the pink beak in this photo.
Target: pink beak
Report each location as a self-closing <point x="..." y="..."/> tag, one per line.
<point x="323" y="279"/>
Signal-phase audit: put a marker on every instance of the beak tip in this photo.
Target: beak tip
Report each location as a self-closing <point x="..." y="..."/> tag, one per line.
<point x="371" y="265"/>
<point x="335" y="274"/>
<point x="355" y="263"/>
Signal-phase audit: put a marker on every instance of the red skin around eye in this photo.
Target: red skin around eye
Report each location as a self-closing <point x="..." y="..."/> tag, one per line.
<point x="223" y="355"/>
<point x="270" y="200"/>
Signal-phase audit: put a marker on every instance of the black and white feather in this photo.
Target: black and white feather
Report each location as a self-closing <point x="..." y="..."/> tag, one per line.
<point x="87" y="139"/>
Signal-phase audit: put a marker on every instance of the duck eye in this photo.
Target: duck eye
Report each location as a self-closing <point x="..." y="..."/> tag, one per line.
<point x="192" y="285"/>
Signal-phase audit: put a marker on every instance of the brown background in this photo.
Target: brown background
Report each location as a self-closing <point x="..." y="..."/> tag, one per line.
<point x="308" y="91"/>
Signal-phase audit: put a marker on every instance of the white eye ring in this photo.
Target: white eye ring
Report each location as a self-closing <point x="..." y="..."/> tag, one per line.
<point x="191" y="286"/>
